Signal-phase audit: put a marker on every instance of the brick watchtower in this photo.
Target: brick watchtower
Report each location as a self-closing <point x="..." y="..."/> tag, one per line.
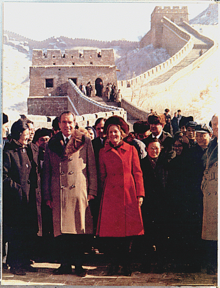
<point x="51" y="71"/>
<point x="176" y="14"/>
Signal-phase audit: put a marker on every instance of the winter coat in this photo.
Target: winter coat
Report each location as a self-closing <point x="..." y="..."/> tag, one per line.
<point x="154" y="208"/>
<point x="69" y="177"/>
<point x="210" y="193"/>
<point x="121" y="182"/>
<point x="21" y="192"/>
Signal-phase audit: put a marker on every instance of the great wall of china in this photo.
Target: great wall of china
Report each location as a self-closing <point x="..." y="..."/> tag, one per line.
<point x="181" y="41"/>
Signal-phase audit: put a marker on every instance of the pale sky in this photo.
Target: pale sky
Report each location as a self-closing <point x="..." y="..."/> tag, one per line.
<point x="98" y="21"/>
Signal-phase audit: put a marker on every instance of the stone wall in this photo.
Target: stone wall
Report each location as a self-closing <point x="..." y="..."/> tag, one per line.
<point x="75" y="101"/>
<point x="61" y="74"/>
<point x="82" y="120"/>
<point x="183" y="72"/>
<point x="176" y="15"/>
<point x="48" y="106"/>
<point x="173" y="37"/>
<point x="162" y="68"/>
<point x="84" y="104"/>
<point x="146" y="40"/>
<point x="208" y="41"/>
<point x="72" y="57"/>
<point x="133" y="110"/>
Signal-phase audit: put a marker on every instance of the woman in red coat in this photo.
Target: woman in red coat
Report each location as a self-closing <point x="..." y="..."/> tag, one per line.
<point x="122" y="195"/>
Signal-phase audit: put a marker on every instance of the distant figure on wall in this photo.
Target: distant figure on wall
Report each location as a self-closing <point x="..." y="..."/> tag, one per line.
<point x="88" y="89"/>
<point x="82" y="88"/>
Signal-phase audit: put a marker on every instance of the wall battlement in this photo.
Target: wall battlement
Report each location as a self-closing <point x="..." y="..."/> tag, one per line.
<point x="73" y="57"/>
<point x="167" y="9"/>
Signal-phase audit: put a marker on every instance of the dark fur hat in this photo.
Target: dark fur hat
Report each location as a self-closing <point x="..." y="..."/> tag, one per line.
<point x="116" y="120"/>
<point x="141" y="126"/>
<point x="184" y="120"/>
<point x="41" y="132"/>
<point x="155" y="118"/>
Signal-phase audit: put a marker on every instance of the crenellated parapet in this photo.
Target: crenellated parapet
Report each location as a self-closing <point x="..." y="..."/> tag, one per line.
<point x="170" y="9"/>
<point x="72" y="57"/>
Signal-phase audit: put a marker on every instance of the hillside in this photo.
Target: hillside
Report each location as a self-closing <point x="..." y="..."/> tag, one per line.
<point x="130" y="60"/>
<point x="207" y="17"/>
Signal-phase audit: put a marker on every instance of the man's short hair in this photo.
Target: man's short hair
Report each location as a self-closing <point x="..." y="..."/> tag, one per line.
<point x="55" y="124"/>
<point x="99" y="120"/>
<point x="67" y="112"/>
<point x="155" y="118"/>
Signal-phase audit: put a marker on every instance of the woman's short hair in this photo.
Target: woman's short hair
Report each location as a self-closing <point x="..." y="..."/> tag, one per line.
<point x="18" y="128"/>
<point x="151" y="140"/>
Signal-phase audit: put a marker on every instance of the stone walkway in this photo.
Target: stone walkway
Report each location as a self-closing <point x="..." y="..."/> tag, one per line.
<point x="96" y="277"/>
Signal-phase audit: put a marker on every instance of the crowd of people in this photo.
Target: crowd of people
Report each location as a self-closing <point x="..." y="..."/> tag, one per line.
<point x="150" y="193"/>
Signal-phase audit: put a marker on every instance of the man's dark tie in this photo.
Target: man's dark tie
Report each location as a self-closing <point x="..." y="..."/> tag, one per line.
<point x="67" y="140"/>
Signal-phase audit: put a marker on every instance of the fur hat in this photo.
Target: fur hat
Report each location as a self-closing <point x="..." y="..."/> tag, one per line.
<point x="203" y="128"/>
<point x="155" y="118"/>
<point x="191" y="124"/>
<point x="41" y="132"/>
<point x="116" y="120"/>
<point x="184" y="120"/>
<point x="141" y="126"/>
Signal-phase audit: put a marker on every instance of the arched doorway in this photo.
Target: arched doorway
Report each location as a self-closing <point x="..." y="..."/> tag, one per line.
<point x="99" y="87"/>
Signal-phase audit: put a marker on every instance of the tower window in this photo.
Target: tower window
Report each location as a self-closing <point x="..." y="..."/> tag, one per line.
<point x="49" y="83"/>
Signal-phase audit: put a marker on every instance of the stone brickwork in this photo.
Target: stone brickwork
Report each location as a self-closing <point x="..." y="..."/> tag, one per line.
<point x="75" y="101"/>
<point x="48" y="106"/>
<point x="176" y="14"/>
<point x="73" y="57"/>
<point x="133" y="110"/>
<point x="61" y="74"/>
<point x="173" y="37"/>
<point x="50" y="72"/>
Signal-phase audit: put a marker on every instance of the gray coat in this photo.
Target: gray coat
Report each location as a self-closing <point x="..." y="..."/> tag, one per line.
<point x="69" y="176"/>
<point x="210" y="193"/>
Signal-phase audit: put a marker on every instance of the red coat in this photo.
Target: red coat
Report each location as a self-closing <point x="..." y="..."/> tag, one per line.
<point x="122" y="181"/>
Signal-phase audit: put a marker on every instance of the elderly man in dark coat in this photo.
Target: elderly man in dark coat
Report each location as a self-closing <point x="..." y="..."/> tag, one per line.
<point x="157" y="123"/>
<point x="69" y="183"/>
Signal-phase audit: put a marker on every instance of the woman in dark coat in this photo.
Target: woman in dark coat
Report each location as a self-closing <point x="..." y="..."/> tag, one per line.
<point x="21" y="198"/>
<point x="154" y="207"/>
<point x="122" y="195"/>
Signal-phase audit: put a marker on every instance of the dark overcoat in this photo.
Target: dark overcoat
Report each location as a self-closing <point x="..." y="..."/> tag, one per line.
<point x="121" y="182"/>
<point x="154" y="208"/>
<point x="69" y="176"/>
<point x="21" y="192"/>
